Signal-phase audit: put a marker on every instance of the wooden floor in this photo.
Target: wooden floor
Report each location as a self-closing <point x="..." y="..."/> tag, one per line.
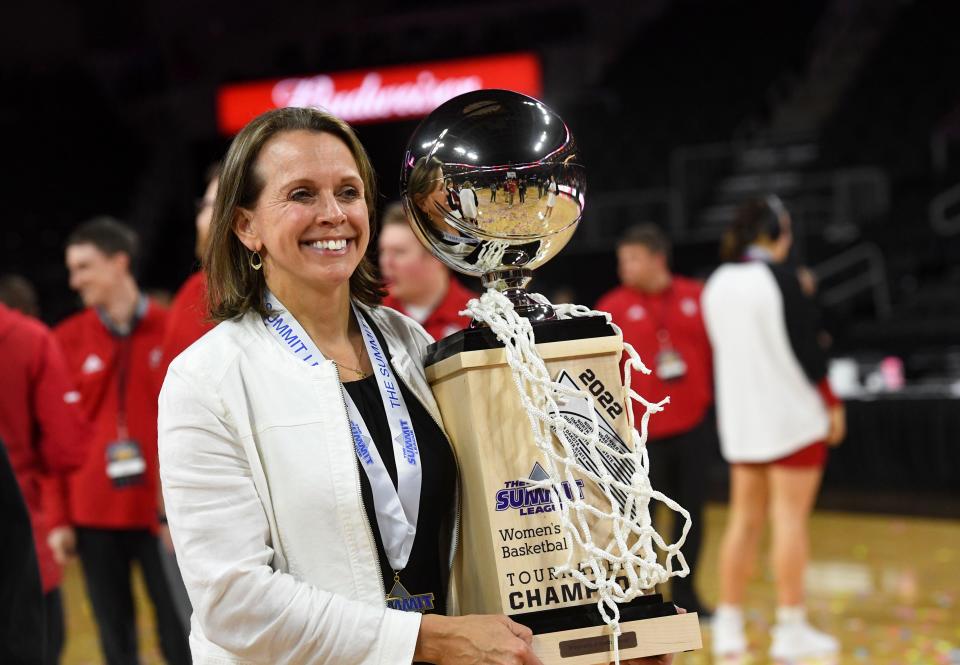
<point x="888" y="587"/>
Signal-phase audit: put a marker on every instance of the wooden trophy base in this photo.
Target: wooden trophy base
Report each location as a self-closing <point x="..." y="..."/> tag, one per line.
<point x="578" y="635"/>
<point x="594" y="645"/>
<point x="511" y="536"/>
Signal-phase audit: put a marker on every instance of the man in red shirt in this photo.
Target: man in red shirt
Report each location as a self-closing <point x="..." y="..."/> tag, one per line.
<point x="112" y="501"/>
<point x="659" y="314"/>
<point x="43" y="432"/>
<point x="419" y="285"/>
<point x="187" y="318"/>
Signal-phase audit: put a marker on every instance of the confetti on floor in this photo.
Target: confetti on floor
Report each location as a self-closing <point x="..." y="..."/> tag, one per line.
<point x="886" y="588"/>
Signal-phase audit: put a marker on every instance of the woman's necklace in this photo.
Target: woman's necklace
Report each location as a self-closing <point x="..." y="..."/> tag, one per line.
<point x="356" y="370"/>
<point x="359" y="372"/>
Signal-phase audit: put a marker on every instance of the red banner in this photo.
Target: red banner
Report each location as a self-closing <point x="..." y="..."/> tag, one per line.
<point x="376" y="95"/>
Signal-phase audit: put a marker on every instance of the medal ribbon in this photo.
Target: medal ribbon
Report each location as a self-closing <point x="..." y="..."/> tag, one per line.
<point x="397" y="507"/>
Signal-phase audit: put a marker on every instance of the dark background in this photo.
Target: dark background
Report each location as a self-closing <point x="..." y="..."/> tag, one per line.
<point x="682" y="108"/>
<point x="849" y="110"/>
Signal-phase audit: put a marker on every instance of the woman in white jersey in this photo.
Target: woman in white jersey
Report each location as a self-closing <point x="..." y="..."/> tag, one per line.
<point x="776" y="415"/>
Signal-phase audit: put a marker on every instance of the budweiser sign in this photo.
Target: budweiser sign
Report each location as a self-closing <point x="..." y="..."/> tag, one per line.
<point x="372" y="99"/>
<point x="391" y="93"/>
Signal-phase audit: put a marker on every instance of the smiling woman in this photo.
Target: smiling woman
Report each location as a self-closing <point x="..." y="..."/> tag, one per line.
<point x="310" y="498"/>
<point x="276" y="167"/>
<point x="310" y="223"/>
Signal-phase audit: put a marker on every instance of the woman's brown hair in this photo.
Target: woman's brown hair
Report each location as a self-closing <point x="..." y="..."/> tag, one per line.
<point x="233" y="286"/>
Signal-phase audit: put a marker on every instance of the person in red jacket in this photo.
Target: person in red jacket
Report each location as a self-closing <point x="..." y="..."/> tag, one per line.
<point x="418" y="284"/>
<point x="111" y="504"/>
<point x="43" y="431"/>
<point x="187" y="319"/>
<point x="659" y="314"/>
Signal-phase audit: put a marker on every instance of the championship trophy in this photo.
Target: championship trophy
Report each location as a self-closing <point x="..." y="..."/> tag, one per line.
<point x="555" y="527"/>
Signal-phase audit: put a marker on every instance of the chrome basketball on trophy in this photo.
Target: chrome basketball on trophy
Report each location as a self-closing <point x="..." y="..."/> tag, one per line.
<point x="556" y="529"/>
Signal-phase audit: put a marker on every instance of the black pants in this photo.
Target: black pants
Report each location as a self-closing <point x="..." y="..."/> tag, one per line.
<point x="678" y="468"/>
<point x="53" y="614"/>
<point x="21" y="596"/>
<point x="107" y="556"/>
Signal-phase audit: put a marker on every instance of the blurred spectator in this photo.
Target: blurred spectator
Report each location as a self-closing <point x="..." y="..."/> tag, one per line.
<point x="43" y="432"/>
<point x="776" y="416"/>
<point x="418" y="284"/>
<point x="162" y="298"/>
<point x="187" y="319"/>
<point x="659" y="314"/>
<point x="16" y="292"/>
<point x="110" y="507"/>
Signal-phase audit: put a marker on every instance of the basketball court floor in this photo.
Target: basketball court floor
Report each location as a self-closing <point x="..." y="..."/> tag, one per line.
<point x="887" y="586"/>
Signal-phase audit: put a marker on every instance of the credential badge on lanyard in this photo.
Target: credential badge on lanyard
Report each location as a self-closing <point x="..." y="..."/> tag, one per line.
<point x="397" y="508"/>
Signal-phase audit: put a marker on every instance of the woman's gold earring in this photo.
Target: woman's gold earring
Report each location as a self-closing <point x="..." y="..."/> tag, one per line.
<point x="256" y="262"/>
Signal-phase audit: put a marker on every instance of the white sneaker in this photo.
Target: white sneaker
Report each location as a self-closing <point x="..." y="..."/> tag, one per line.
<point x="726" y="627"/>
<point x="540" y="215"/>
<point x="798" y="640"/>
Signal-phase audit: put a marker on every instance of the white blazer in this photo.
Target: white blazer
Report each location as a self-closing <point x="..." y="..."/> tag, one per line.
<point x="262" y="493"/>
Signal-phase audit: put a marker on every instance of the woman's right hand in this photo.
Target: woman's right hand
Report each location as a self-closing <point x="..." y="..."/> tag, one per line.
<point x="488" y="639"/>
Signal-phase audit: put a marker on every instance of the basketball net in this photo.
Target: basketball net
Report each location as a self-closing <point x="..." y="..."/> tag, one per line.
<point x="631" y="552"/>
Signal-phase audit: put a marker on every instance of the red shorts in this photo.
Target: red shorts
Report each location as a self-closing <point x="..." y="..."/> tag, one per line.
<point x="814" y="455"/>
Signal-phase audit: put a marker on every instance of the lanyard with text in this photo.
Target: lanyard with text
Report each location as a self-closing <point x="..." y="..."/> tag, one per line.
<point x="397" y="508"/>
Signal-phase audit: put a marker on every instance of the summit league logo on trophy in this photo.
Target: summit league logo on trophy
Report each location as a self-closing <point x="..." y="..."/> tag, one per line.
<point x="555" y="499"/>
